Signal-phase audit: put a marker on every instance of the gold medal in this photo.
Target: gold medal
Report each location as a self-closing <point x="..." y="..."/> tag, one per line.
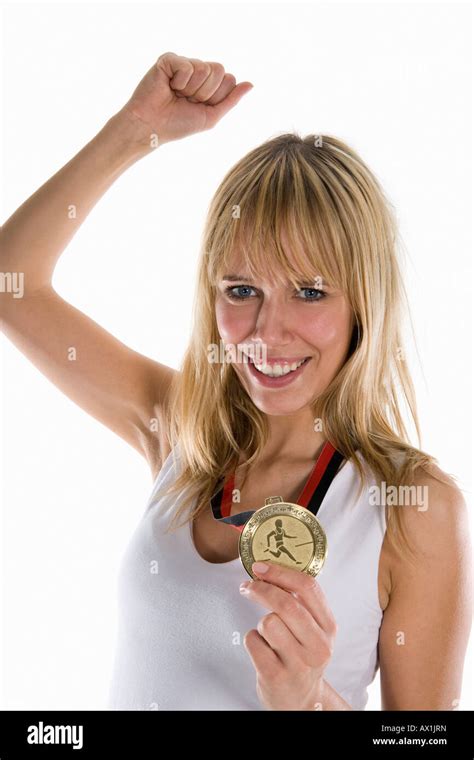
<point x="284" y="533"/>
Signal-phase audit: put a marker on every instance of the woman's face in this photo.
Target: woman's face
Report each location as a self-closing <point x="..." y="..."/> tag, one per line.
<point x="291" y="325"/>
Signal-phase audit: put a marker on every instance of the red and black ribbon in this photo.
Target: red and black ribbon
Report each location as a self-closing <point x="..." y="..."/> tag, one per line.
<point x="311" y="497"/>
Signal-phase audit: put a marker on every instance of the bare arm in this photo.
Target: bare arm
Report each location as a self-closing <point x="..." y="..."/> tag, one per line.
<point x="121" y="388"/>
<point x="35" y="236"/>
<point x="110" y="381"/>
<point x="426" y="625"/>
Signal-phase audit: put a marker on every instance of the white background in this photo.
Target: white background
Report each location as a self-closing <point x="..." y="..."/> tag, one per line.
<point x="391" y="80"/>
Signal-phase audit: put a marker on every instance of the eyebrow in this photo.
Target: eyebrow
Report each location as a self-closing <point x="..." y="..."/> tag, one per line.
<point x="235" y="278"/>
<point x="239" y="278"/>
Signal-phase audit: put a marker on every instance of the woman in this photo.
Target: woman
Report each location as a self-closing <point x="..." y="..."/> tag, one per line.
<point x="299" y="284"/>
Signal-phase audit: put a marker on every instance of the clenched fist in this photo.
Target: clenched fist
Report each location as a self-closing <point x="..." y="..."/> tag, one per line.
<point x="179" y="96"/>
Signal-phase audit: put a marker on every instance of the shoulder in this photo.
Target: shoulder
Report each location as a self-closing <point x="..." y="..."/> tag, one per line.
<point x="436" y="527"/>
<point x="441" y="515"/>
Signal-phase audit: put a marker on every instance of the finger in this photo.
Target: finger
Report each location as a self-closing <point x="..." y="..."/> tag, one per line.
<point x="213" y="82"/>
<point x="227" y="85"/>
<point x="177" y="68"/>
<point x="304" y="627"/>
<point x="307" y="590"/>
<point x="201" y="72"/>
<point x="216" y="112"/>
<point x="280" y="638"/>
<point x="264" y="659"/>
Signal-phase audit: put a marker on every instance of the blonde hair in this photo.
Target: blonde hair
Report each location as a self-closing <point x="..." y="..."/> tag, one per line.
<point x="339" y="225"/>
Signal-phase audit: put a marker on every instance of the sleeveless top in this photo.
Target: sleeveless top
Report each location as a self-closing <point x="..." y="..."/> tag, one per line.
<point x="182" y="619"/>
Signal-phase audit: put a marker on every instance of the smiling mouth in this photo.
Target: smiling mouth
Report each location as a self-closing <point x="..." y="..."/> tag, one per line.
<point x="279" y="369"/>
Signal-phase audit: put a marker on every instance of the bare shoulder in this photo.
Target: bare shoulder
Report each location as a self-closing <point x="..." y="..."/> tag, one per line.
<point x="440" y="514"/>
<point x="436" y="525"/>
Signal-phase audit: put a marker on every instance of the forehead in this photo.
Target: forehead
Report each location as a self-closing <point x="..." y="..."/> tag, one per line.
<point x="240" y="264"/>
<point x="241" y="273"/>
<point x="236" y="270"/>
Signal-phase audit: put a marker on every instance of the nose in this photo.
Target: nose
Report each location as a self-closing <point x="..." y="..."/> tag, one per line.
<point x="272" y="326"/>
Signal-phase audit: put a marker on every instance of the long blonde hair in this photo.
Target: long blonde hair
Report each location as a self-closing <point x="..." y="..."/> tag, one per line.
<point x="339" y="225"/>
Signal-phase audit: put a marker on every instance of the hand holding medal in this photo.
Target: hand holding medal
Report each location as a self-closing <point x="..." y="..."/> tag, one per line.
<point x="282" y="547"/>
<point x="292" y="645"/>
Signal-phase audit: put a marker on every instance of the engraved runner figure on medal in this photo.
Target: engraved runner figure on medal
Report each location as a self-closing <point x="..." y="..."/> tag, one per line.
<point x="283" y="532"/>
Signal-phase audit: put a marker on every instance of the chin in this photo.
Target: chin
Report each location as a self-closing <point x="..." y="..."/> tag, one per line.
<point x="269" y="404"/>
<point x="272" y="410"/>
<point x="284" y="401"/>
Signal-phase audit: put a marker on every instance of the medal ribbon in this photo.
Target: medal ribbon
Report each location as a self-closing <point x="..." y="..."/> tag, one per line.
<point x="311" y="497"/>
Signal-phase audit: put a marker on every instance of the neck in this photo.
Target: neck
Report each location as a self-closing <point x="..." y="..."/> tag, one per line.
<point x="293" y="437"/>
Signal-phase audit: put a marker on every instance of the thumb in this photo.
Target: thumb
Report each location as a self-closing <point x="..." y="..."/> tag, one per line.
<point x="220" y="109"/>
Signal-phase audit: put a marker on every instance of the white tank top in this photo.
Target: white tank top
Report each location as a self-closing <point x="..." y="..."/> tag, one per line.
<point x="182" y="620"/>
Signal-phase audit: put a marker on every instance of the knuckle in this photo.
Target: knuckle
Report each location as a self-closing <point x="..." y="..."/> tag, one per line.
<point x="249" y="637"/>
<point x="201" y="68"/>
<point x="327" y="651"/>
<point x="167" y="55"/>
<point x="290" y="606"/>
<point x="217" y="67"/>
<point x="246" y="638"/>
<point x="309" y="582"/>
<point x="268" y="622"/>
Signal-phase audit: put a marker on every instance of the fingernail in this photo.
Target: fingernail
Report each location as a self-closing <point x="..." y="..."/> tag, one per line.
<point x="260" y="567"/>
<point x="244" y="587"/>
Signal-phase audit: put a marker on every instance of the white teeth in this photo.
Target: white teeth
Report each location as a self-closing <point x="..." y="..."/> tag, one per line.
<point x="277" y="369"/>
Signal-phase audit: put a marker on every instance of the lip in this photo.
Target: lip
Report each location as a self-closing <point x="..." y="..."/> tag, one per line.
<point x="277" y="382"/>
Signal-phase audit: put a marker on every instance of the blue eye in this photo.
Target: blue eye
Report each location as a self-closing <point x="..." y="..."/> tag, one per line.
<point x="237" y="287"/>
<point x="229" y="291"/>
<point x="320" y="293"/>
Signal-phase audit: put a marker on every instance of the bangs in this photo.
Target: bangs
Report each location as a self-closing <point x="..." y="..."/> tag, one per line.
<point x="279" y="223"/>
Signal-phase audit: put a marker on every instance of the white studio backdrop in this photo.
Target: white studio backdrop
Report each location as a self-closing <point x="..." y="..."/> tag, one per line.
<point x="392" y="80"/>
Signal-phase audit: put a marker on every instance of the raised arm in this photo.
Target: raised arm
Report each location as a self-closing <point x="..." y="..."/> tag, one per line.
<point x="118" y="386"/>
